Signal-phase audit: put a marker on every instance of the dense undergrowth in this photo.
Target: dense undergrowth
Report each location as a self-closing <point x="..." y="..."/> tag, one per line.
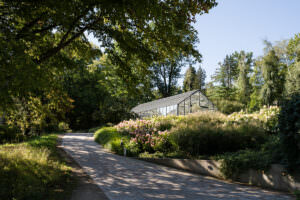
<point x="34" y="170"/>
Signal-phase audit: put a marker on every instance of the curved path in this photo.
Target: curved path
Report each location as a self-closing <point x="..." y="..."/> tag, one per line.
<point x="126" y="178"/>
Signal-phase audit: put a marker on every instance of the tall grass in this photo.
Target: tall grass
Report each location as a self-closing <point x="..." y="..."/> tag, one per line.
<point x="34" y="170"/>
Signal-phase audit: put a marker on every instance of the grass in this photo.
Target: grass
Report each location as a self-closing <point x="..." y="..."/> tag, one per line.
<point x="34" y="170"/>
<point x="111" y="139"/>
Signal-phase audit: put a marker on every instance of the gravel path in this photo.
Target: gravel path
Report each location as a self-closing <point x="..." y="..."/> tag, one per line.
<point x="126" y="178"/>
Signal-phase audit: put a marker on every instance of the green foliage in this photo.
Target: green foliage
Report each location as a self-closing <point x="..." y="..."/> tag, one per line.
<point x="81" y="85"/>
<point x="292" y="84"/>
<point x="9" y="134"/>
<point x="289" y="130"/>
<point x="228" y="106"/>
<point x="241" y="140"/>
<point x="111" y="139"/>
<point x="164" y="143"/>
<point x="34" y="170"/>
<point x="211" y="134"/>
<point x="266" y="118"/>
<point x="226" y="74"/>
<point x="37" y="113"/>
<point x="34" y="35"/>
<point x="200" y="78"/>
<point x="105" y="134"/>
<point x="196" y="135"/>
<point x="273" y="81"/>
<point x="166" y="74"/>
<point x="190" y="79"/>
<point x="243" y="82"/>
<point x="255" y="101"/>
<point x="45" y="53"/>
<point x="256" y="81"/>
<point x="63" y="127"/>
<point x="238" y="162"/>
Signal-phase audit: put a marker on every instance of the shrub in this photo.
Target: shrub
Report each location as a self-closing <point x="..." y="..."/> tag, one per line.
<point x="94" y="129"/>
<point x="210" y="133"/>
<point x="266" y="118"/>
<point x="166" y="122"/>
<point x="163" y="143"/>
<point x="235" y="163"/>
<point x="289" y="129"/>
<point x="206" y="139"/>
<point x="227" y="106"/>
<point x="193" y="136"/>
<point x="146" y="134"/>
<point x="111" y="139"/>
<point x="63" y="126"/>
<point x="9" y="134"/>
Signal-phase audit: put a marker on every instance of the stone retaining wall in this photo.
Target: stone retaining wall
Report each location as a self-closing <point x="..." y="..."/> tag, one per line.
<point x="275" y="178"/>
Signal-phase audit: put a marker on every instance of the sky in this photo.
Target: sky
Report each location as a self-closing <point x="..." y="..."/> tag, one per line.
<point x="235" y="25"/>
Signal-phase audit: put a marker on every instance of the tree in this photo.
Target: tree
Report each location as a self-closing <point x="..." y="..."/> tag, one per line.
<point x="256" y="81"/>
<point x="227" y="73"/>
<point x="166" y="75"/>
<point x="228" y="77"/>
<point x="273" y="85"/>
<point x="200" y="78"/>
<point x="190" y="79"/>
<point x="292" y="84"/>
<point x="34" y="33"/>
<point x="243" y="84"/>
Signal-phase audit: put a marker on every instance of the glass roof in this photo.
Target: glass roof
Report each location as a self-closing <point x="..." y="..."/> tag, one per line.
<point x="168" y="101"/>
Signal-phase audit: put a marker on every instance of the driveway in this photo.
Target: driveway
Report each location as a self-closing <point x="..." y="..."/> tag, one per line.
<point x="122" y="178"/>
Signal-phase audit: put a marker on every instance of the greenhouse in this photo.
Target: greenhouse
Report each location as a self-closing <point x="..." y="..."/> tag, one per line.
<point x="180" y="104"/>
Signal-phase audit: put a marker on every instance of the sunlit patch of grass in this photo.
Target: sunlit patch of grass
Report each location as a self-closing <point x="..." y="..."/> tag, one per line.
<point x="34" y="170"/>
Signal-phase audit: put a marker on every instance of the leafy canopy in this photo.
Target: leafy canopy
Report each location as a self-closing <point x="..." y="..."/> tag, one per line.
<point x="34" y="33"/>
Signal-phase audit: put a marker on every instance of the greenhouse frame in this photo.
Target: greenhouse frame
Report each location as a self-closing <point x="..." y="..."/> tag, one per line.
<point x="180" y="104"/>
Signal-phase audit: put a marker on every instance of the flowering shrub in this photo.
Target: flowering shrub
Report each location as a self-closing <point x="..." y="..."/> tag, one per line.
<point x="145" y="134"/>
<point x="162" y="143"/>
<point x="266" y="117"/>
<point x="203" y="133"/>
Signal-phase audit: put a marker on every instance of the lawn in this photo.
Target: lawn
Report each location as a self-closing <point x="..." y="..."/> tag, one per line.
<point x="34" y="169"/>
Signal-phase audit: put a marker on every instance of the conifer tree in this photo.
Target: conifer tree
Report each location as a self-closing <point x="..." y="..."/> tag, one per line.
<point x="189" y="82"/>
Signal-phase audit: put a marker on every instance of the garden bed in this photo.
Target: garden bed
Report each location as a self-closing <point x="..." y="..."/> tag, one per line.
<point x="238" y="144"/>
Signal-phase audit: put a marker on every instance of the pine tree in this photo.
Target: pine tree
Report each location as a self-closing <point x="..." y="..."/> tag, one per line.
<point x="200" y="79"/>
